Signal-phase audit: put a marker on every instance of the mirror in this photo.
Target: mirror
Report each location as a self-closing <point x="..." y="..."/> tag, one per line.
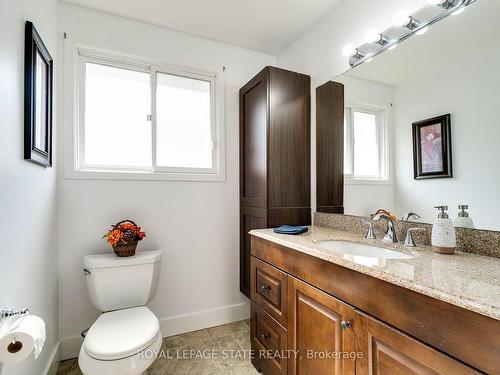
<point x="422" y="123"/>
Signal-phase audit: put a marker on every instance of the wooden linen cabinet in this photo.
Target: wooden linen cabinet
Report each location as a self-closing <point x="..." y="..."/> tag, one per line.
<point x="274" y="156"/>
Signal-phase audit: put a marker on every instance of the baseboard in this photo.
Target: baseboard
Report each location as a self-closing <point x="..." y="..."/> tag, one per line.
<point x="70" y="347"/>
<point x="175" y="325"/>
<point x="53" y="362"/>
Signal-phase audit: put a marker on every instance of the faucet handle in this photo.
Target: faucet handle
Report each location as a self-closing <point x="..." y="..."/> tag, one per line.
<point x="409" y="241"/>
<point x="370" y="234"/>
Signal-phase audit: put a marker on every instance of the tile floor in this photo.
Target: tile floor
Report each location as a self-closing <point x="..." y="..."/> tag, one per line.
<point x="229" y="343"/>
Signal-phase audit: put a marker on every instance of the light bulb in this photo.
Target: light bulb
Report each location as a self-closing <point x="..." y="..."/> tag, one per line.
<point x="458" y="11"/>
<point x="349" y="50"/>
<point x="372" y="36"/>
<point x="422" y="31"/>
<point x="401" y="19"/>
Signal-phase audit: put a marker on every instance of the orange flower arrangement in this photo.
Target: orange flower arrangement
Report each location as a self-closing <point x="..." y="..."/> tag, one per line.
<point x="124" y="233"/>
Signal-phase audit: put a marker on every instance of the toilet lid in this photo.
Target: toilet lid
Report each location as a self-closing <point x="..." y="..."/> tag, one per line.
<point x="122" y="333"/>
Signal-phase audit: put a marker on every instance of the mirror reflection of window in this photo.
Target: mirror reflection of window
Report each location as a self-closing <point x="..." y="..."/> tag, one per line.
<point x="365" y="144"/>
<point x="366" y="161"/>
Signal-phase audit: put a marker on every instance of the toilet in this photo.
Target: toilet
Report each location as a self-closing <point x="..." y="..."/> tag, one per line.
<point x="125" y="338"/>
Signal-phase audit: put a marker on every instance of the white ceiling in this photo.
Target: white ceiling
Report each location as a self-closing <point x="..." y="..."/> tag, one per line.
<point x="262" y="25"/>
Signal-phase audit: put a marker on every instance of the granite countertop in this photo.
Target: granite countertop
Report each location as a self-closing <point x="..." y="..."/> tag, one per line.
<point x="467" y="280"/>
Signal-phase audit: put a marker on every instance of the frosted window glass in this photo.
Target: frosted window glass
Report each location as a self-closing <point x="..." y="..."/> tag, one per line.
<point x="183" y="122"/>
<point x="366" y="161"/>
<point x="117" y="102"/>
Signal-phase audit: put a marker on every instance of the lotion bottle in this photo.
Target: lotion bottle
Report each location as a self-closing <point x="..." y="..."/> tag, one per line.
<point x="444" y="240"/>
<point x="464" y="220"/>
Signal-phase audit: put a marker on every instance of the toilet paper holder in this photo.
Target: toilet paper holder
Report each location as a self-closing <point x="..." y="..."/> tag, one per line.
<point x="7" y="313"/>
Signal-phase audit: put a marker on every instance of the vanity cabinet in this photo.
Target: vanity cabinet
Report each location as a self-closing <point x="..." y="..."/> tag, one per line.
<point x="274" y="156"/>
<point x="327" y="319"/>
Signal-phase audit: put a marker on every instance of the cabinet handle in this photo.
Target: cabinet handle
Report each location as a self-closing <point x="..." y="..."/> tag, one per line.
<point x="265" y="288"/>
<point x="263" y="336"/>
<point x="345" y="324"/>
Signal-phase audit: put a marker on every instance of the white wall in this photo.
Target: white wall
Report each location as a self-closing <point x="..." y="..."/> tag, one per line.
<point x="28" y="220"/>
<point x="468" y="90"/>
<point x="195" y="224"/>
<point x="318" y="52"/>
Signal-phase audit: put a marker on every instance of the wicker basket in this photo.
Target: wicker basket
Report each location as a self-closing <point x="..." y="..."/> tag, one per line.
<point x="126" y="249"/>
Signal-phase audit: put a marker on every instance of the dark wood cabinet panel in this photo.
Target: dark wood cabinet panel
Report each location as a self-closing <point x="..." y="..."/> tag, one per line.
<point x="269" y="289"/>
<point x="268" y="340"/>
<point x="319" y="327"/>
<point x="289" y="215"/>
<point x="274" y="152"/>
<point x="330" y="147"/>
<point x="289" y="139"/>
<point x="250" y="218"/>
<point x="389" y="351"/>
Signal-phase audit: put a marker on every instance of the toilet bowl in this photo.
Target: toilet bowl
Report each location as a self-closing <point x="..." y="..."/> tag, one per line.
<point x="126" y="338"/>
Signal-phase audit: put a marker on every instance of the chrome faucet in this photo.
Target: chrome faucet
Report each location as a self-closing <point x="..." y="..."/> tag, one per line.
<point x="390" y="236"/>
<point x="411" y="215"/>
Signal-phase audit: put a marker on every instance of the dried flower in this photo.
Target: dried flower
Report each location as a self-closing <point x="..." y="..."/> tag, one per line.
<point x="124" y="233"/>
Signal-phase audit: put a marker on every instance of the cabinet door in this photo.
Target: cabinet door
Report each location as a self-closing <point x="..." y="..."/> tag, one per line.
<point x="388" y="351"/>
<point x="289" y="148"/>
<point x="320" y="332"/>
<point x="253" y="141"/>
<point x="250" y="218"/>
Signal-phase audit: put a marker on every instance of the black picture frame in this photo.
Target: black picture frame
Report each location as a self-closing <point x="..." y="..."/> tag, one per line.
<point x="38" y="91"/>
<point x="432" y="157"/>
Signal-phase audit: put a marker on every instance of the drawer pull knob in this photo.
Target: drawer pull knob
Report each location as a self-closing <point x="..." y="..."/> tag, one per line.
<point x="263" y="336"/>
<point x="265" y="288"/>
<point x="345" y="324"/>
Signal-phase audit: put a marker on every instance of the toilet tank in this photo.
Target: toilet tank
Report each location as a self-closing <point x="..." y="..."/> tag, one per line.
<point x="116" y="283"/>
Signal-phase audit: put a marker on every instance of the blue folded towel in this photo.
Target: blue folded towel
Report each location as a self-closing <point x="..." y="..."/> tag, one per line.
<point x="290" y="229"/>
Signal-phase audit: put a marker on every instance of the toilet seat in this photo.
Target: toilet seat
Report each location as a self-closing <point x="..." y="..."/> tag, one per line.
<point x="122" y="333"/>
<point x="133" y="365"/>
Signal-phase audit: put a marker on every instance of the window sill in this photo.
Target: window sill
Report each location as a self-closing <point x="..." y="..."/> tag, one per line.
<point x="356" y="181"/>
<point x="82" y="174"/>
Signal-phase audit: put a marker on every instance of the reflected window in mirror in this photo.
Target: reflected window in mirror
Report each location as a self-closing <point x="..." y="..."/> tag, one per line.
<point x="366" y="145"/>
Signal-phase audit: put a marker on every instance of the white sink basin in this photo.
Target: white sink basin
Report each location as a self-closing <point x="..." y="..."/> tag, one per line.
<point x="361" y="253"/>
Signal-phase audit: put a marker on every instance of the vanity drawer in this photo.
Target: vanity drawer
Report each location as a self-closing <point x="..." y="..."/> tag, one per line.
<point x="268" y="341"/>
<point x="268" y="289"/>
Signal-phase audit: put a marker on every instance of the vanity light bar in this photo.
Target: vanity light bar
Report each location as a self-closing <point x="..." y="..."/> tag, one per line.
<point x="410" y="25"/>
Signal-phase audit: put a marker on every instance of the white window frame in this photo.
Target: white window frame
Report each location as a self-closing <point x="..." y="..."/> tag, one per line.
<point x="382" y="117"/>
<point x="76" y="57"/>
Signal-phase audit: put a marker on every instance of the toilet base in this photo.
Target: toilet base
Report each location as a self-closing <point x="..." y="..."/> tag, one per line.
<point x="133" y="365"/>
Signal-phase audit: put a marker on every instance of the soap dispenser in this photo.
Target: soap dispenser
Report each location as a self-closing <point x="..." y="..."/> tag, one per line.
<point x="444" y="240"/>
<point x="464" y="220"/>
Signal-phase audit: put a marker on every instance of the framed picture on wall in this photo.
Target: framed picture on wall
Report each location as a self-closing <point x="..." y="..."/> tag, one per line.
<point x="432" y="148"/>
<point x="38" y="73"/>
